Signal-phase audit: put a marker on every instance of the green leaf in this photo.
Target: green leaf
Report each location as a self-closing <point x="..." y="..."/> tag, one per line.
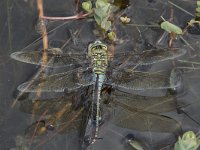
<point x="99" y="15"/>
<point x="106" y="24"/>
<point x="101" y="3"/>
<point x="102" y="13"/>
<point x="87" y="6"/>
<point x="111" y="36"/>
<point x="198" y="3"/>
<point x="189" y="141"/>
<point x="197" y="14"/>
<point x="97" y="19"/>
<point x="105" y="1"/>
<point x="106" y="8"/>
<point x="198" y="9"/>
<point x="169" y="27"/>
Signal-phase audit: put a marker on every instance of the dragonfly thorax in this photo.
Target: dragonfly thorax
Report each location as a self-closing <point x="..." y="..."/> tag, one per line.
<point x="97" y="54"/>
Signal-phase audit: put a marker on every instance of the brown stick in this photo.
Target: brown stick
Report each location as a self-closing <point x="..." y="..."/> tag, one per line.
<point x="44" y="32"/>
<point x="45" y="46"/>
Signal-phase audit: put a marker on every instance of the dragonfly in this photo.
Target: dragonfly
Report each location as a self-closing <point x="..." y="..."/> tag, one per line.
<point x="97" y="68"/>
<point x="131" y="111"/>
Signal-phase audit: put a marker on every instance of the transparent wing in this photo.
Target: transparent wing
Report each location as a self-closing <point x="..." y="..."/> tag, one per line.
<point x="139" y="112"/>
<point x="136" y="80"/>
<point x="69" y="121"/>
<point x="143" y="103"/>
<point x="145" y="121"/>
<point x="51" y="105"/>
<point x="54" y="56"/>
<point x="146" y="57"/>
<point x="78" y="117"/>
<point x="61" y="115"/>
<point x="157" y="55"/>
<point x="58" y="82"/>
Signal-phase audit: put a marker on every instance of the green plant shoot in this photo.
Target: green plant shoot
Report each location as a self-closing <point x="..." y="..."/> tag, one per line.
<point x="189" y="141"/>
<point x="111" y="36"/>
<point x="87" y="6"/>
<point x="102" y="13"/>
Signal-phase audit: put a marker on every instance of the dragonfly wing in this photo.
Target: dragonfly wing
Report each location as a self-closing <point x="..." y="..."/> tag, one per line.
<point x="50" y="111"/>
<point x="61" y="122"/>
<point x="38" y="107"/>
<point x="65" y="117"/>
<point x="145" y="121"/>
<point x="122" y="59"/>
<point x="54" y="58"/>
<point x="147" y="57"/>
<point x="141" y="80"/>
<point x="73" y="121"/>
<point x="58" y="82"/>
<point x="151" y="104"/>
<point x="157" y="55"/>
<point x="65" y="114"/>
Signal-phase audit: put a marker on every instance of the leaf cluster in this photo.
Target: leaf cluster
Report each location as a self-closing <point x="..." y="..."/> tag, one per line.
<point x="189" y="141"/>
<point x="102" y="13"/>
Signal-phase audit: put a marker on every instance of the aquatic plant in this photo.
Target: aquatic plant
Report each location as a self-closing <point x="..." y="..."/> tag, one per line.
<point x="198" y="10"/>
<point x="102" y="12"/>
<point x="196" y="20"/>
<point x="196" y="17"/>
<point x="171" y="28"/>
<point x="189" y="141"/>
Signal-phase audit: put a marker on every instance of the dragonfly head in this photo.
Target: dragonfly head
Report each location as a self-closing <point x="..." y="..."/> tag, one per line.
<point x="97" y="54"/>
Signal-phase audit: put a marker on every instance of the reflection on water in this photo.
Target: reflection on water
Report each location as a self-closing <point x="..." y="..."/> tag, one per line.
<point x="18" y="31"/>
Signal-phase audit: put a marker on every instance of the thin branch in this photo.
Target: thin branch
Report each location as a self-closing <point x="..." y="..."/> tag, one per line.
<point x="181" y="9"/>
<point x="75" y="17"/>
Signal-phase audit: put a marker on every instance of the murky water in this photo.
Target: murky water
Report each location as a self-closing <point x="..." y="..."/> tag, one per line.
<point x="17" y="31"/>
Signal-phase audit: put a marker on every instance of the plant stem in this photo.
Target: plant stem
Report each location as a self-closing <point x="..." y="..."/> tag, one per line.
<point x="181" y="8"/>
<point x="44" y="31"/>
<point x="75" y="17"/>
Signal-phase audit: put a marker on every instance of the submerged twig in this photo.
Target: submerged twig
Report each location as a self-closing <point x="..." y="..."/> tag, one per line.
<point x="181" y="9"/>
<point x="44" y="32"/>
<point x="186" y="42"/>
<point x="143" y="25"/>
